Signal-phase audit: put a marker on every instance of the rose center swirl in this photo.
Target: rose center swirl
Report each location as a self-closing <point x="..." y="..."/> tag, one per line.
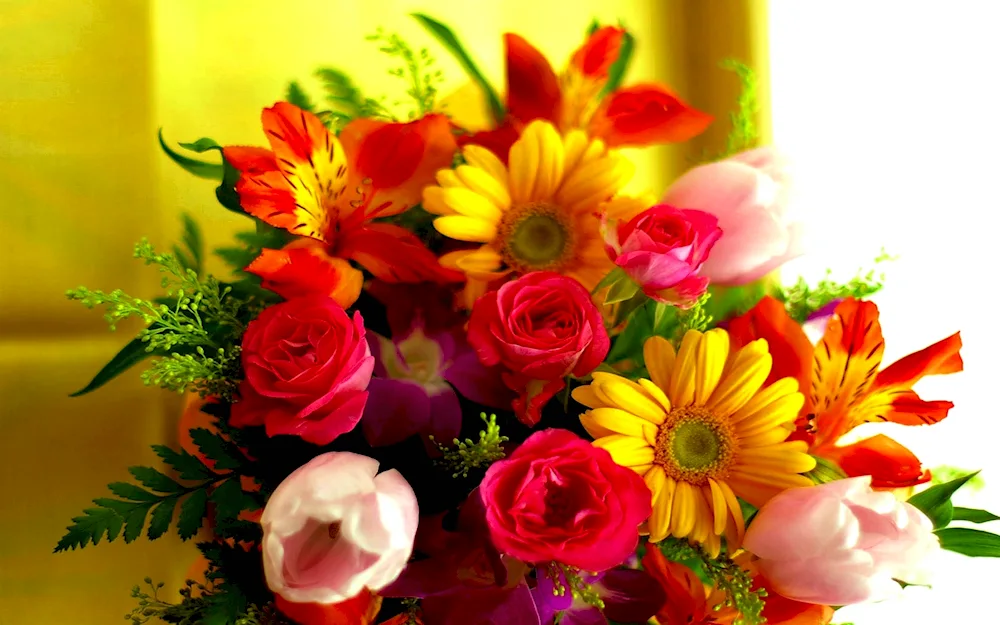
<point x="536" y="237"/>
<point x="693" y="445"/>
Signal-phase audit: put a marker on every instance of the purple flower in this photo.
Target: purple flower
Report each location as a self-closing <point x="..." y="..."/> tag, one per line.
<point x="629" y="596"/>
<point x="414" y="391"/>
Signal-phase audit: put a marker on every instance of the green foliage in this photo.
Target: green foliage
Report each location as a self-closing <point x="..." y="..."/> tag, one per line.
<point x="942" y="474"/>
<point x="802" y="300"/>
<point x="469" y="455"/>
<point x="725" y="575"/>
<point x="253" y="242"/>
<point x="935" y="502"/>
<point x="744" y="134"/>
<point x="973" y="515"/>
<point x="345" y="99"/>
<point x="212" y="171"/>
<point x="451" y="43"/>
<point x="693" y="318"/>
<point x="969" y="542"/>
<point x="417" y="70"/>
<point x="157" y="496"/>
<point x="297" y="96"/>
<point x="192" y="254"/>
<point x="616" y="73"/>
<point x="196" y="334"/>
<point x="200" y="604"/>
<point x="728" y="302"/>
<point x="826" y="471"/>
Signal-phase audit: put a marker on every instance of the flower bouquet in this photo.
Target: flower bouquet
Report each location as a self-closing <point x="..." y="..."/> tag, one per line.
<point x="459" y="377"/>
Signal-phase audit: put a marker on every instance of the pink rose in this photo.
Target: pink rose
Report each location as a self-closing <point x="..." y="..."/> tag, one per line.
<point x="306" y="365"/>
<point x="541" y="327"/>
<point x="559" y="498"/>
<point x="840" y="543"/>
<point x="748" y="193"/>
<point x="662" y="249"/>
<point x="333" y="528"/>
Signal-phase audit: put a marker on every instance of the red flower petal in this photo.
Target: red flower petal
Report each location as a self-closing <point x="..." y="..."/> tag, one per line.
<point x="359" y="610"/>
<point x="304" y="268"/>
<point x="395" y="254"/>
<point x="533" y="90"/>
<point x="596" y="56"/>
<point x="644" y="115"/>
<point x="497" y="140"/>
<point x="790" y="349"/>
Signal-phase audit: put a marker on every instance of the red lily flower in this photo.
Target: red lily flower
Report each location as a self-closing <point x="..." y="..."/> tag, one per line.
<point x="844" y="387"/>
<point x="643" y="114"/>
<point x="328" y="189"/>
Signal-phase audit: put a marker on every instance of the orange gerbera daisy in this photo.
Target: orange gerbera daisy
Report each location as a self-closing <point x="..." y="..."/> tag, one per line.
<point x="643" y="114"/>
<point x="844" y="388"/>
<point x="327" y="189"/>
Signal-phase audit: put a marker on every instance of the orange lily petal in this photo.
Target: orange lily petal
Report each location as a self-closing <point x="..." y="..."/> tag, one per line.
<point x="391" y="163"/>
<point x="646" y="114"/>
<point x="533" y="90"/>
<point x="262" y="189"/>
<point x="890" y="464"/>
<point x="940" y="358"/>
<point x="686" y="596"/>
<point x="596" y="56"/>
<point x="845" y="364"/>
<point x="314" y="168"/>
<point x="359" y="610"/>
<point x="394" y="254"/>
<point x="790" y="349"/>
<point x="304" y="268"/>
<point x="779" y="610"/>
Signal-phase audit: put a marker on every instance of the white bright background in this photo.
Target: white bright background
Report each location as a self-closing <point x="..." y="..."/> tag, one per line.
<point x="890" y="110"/>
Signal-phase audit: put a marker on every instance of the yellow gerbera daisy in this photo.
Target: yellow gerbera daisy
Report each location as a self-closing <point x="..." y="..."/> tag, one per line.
<point x="702" y="432"/>
<point x="539" y="213"/>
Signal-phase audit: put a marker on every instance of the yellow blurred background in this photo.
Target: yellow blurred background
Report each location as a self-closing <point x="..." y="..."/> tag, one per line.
<point x="84" y="85"/>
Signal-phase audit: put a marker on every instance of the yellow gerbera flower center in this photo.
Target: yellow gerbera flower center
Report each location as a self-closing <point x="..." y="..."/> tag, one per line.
<point x="694" y="445"/>
<point x="536" y="237"/>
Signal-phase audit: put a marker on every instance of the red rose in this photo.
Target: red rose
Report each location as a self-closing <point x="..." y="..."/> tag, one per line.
<point x="560" y="498"/>
<point x="306" y="366"/>
<point x="541" y="327"/>
<point x="662" y="250"/>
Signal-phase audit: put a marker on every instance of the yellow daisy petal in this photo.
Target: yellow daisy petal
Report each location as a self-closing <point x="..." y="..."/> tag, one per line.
<point x="781" y="411"/>
<point x="628" y="396"/>
<point x="593" y="183"/>
<point x="659" y="521"/>
<point x="523" y="164"/>
<point x="746" y="373"/>
<point x="703" y="516"/>
<point x="682" y="517"/>
<point x="480" y="157"/>
<point x="682" y="376"/>
<point x="774" y="458"/>
<point x="763" y="438"/>
<point x="484" y="184"/>
<point x="466" y="228"/>
<point x="480" y="262"/>
<point x="464" y="201"/>
<point x="766" y="396"/>
<point x="712" y="545"/>
<point x="433" y="200"/>
<point x="550" y="161"/>
<point x="447" y="178"/>
<point x="624" y="208"/>
<point x="576" y="143"/>
<point x="713" y="350"/>
<point x="586" y="396"/>
<point x="659" y="356"/>
<point x="626" y="450"/>
<point x="735" y="511"/>
<point x="618" y="421"/>
<point x="656" y="393"/>
<point x="719" y="509"/>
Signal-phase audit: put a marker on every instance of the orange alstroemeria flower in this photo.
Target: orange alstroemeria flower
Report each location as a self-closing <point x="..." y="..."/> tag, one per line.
<point x="327" y="189"/>
<point x="358" y="610"/>
<point x="689" y="600"/>
<point x="643" y="114"/>
<point x="844" y="387"/>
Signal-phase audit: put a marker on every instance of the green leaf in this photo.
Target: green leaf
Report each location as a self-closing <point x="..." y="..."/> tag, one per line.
<point x="225" y="455"/>
<point x="621" y="291"/>
<point x="230" y="500"/>
<point x="193" y="511"/>
<point x="134" y="521"/>
<point x="129" y="356"/>
<point x="628" y="344"/>
<point x="616" y="73"/>
<point x="202" y="145"/>
<point x="297" y="96"/>
<point x="89" y="528"/>
<point x="594" y="25"/>
<point x="159" y="520"/>
<point x="970" y="542"/>
<point x="826" y="471"/>
<point x="748" y="510"/>
<point x="973" y="515"/>
<point x="626" y="308"/>
<point x="131" y="492"/>
<point x="193" y="242"/>
<point x="341" y="92"/>
<point x="664" y="318"/>
<point x="154" y="480"/>
<point x="186" y="465"/>
<point x="212" y="171"/>
<point x="935" y="502"/>
<point x="615" y="275"/>
<point x="448" y="39"/>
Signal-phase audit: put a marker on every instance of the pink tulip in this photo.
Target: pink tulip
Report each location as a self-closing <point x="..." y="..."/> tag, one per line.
<point x="333" y="527"/>
<point x="748" y="193"/>
<point x="840" y="543"/>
